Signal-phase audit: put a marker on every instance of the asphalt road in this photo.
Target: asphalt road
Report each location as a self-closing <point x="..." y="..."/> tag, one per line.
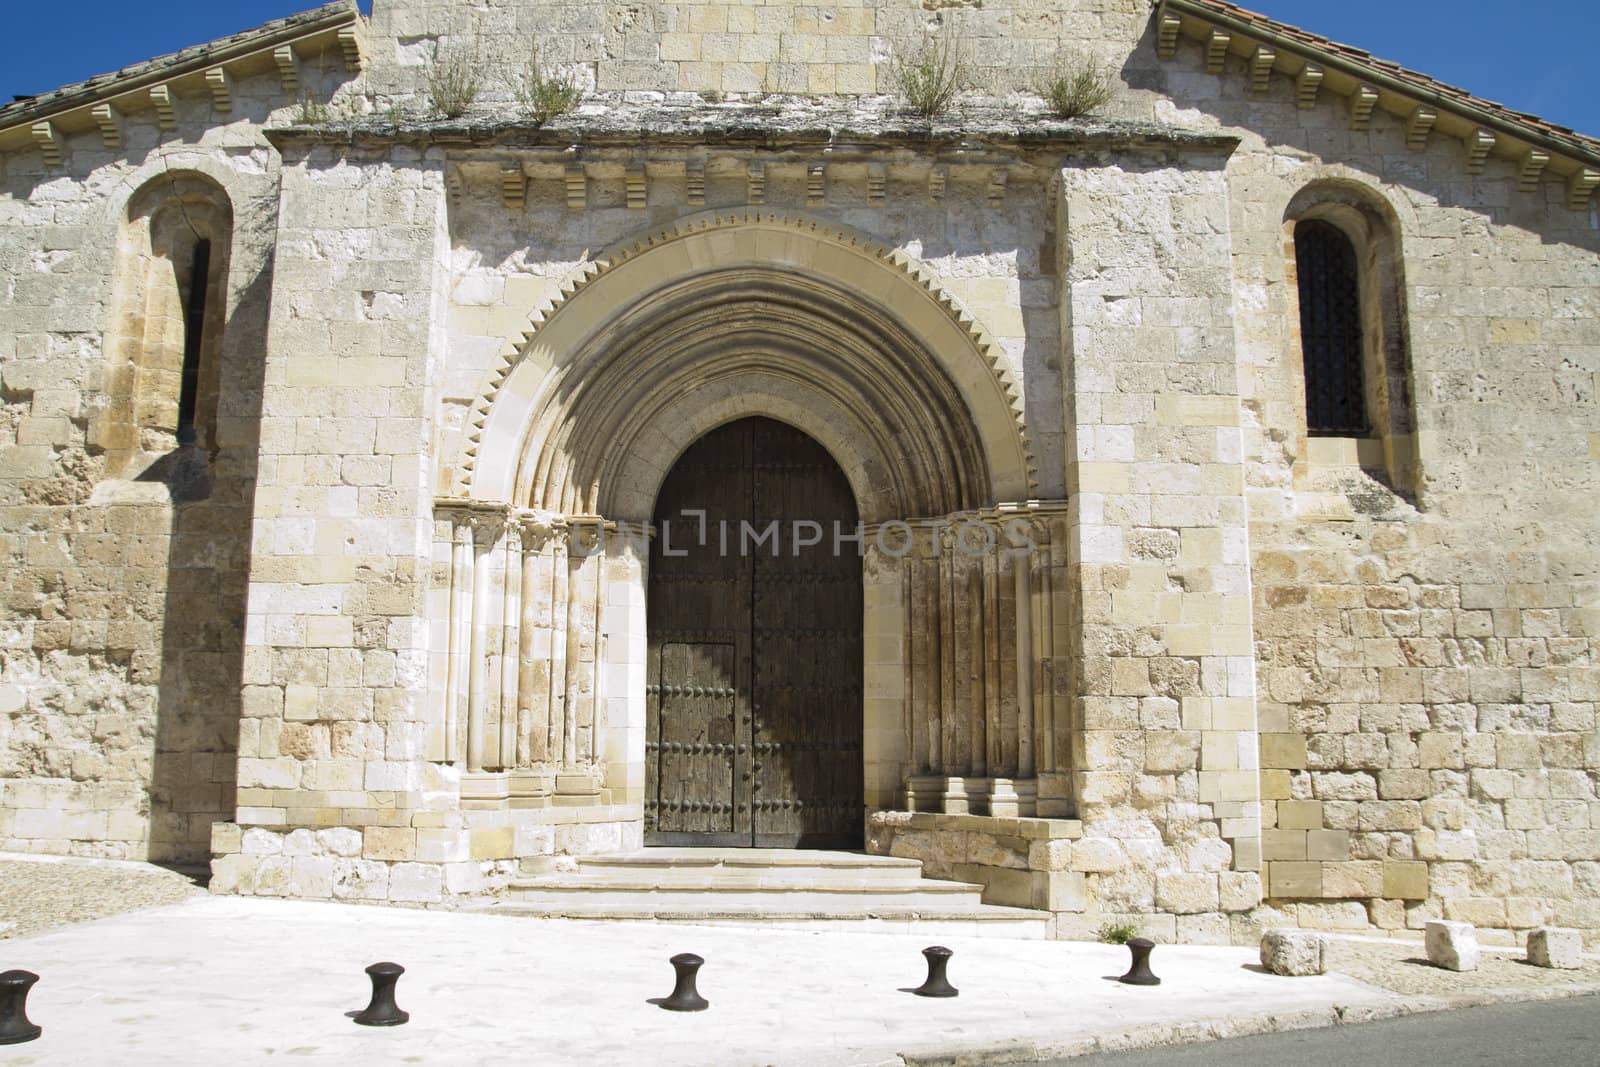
<point x="1560" y="1033"/>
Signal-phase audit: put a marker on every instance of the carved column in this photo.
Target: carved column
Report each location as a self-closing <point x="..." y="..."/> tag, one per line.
<point x="543" y="556"/>
<point x="486" y="528"/>
<point x="459" y="627"/>
<point x="982" y="638"/>
<point x="510" y="647"/>
<point x="472" y="654"/>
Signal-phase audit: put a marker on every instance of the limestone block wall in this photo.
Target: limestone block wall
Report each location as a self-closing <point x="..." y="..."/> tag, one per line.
<point x="1166" y="748"/>
<point x="124" y="583"/>
<point x="335" y="669"/>
<point x="1425" y="636"/>
<point x="732" y="48"/>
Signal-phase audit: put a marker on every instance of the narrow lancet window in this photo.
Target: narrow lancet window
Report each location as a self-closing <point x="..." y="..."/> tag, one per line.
<point x="194" y="323"/>
<point x="1330" y="330"/>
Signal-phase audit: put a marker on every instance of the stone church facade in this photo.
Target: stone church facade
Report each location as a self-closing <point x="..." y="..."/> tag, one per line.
<point x="1203" y="491"/>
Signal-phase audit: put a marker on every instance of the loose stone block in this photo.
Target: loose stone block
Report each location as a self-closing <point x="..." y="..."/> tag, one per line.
<point x="1556" y="947"/>
<point x="1294" y="952"/>
<point x="1452" y="945"/>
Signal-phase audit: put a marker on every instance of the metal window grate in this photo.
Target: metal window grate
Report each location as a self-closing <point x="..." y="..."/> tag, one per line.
<point x="1330" y="330"/>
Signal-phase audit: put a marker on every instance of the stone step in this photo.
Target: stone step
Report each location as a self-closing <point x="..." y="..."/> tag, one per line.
<point x="765" y="858"/>
<point x="786" y="888"/>
<point x="929" y="921"/>
<point x="631" y="881"/>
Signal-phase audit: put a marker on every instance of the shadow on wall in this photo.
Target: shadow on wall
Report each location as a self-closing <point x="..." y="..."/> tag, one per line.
<point x="194" y="774"/>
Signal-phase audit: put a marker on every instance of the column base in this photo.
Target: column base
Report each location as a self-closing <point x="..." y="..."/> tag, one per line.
<point x="961" y="795"/>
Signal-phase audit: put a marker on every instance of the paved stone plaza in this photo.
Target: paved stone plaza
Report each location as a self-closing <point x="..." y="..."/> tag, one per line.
<point x="216" y="980"/>
<point x="221" y="980"/>
<point x="1179" y="512"/>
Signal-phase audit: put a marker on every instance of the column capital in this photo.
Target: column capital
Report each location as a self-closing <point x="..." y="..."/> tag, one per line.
<point x="481" y="521"/>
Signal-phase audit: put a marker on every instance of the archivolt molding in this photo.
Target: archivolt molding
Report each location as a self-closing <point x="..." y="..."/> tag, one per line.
<point x="1013" y="474"/>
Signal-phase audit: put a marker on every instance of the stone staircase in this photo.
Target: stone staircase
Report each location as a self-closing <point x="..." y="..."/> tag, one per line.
<point x="799" y="889"/>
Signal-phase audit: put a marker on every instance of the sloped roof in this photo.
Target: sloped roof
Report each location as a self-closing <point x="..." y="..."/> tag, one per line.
<point x="187" y="61"/>
<point x="1385" y="74"/>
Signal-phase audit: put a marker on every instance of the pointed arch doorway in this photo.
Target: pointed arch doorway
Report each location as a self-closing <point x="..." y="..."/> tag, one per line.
<point x="754" y="669"/>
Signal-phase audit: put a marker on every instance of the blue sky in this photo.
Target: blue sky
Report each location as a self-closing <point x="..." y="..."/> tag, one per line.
<point x="1532" y="55"/>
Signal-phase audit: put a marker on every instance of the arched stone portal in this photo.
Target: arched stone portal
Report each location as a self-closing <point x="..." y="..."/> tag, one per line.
<point x="547" y="661"/>
<point x="753" y="675"/>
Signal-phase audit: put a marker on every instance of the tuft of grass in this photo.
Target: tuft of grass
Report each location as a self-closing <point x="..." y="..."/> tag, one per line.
<point x="1113" y="933"/>
<point x="312" y="110"/>
<point x="1076" y="86"/>
<point x="542" y="92"/>
<point x="395" y="114"/>
<point x="452" y="86"/>
<point x="931" y="77"/>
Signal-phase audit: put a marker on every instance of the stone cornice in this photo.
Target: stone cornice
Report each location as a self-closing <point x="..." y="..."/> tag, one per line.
<point x="634" y="127"/>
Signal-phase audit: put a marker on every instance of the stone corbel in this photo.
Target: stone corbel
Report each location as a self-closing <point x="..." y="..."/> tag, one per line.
<point x="48" y="138"/>
<point x="877" y="183"/>
<point x="110" y="123"/>
<point x="1262" y="60"/>
<point x="577" y="187"/>
<point x="936" y="183"/>
<point x="1307" y="84"/>
<point x="637" y="185"/>
<point x="1581" y="186"/>
<point x="352" y="43"/>
<point x="816" y="184"/>
<point x="997" y="187"/>
<point x="513" y="187"/>
<point x="288" y="69"/>
<point x="221" y="85"/>
<point x="694" y="173"/>
<point x="1167" y="31"/>
<point x="454" y="185"/>
<point x="1217" y="51"/>
<point x="166" y="114"/>
<point x="1531" y="171"/>
<point x="1419" y="126"/>
<point x="756" y="183"/>
<point x="1479" y="144"/>
<point x="1362" y="103"/>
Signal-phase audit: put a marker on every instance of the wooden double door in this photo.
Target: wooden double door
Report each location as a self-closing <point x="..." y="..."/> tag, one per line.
<point x="755" y="657"/>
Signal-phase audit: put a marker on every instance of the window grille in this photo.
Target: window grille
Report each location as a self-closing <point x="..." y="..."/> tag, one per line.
<point x="1330" y="330"/>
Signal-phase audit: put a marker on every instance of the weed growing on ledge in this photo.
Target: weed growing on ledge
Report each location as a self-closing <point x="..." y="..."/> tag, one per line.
<point x="930" y="78"/>
<point x="544" y="93"/>
<point x="1075" y="86"/>
<point x="452" y="86"/>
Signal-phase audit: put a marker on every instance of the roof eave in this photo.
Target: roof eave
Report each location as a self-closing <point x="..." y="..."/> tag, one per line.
<point x="317" y="22"/>
<point x="1377" y="77"/>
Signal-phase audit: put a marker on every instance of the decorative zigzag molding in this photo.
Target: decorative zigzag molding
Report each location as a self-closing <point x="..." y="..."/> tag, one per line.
<point x="588" y="272"/>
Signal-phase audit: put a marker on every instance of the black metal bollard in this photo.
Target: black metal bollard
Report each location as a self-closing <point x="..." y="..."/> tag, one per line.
<point x="1139" y="973"/>
<point x="383" y="1011"/>
<point x="15" y="1027"/>
<point x="685" y="997"/>
<point x="937" y="985"/>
